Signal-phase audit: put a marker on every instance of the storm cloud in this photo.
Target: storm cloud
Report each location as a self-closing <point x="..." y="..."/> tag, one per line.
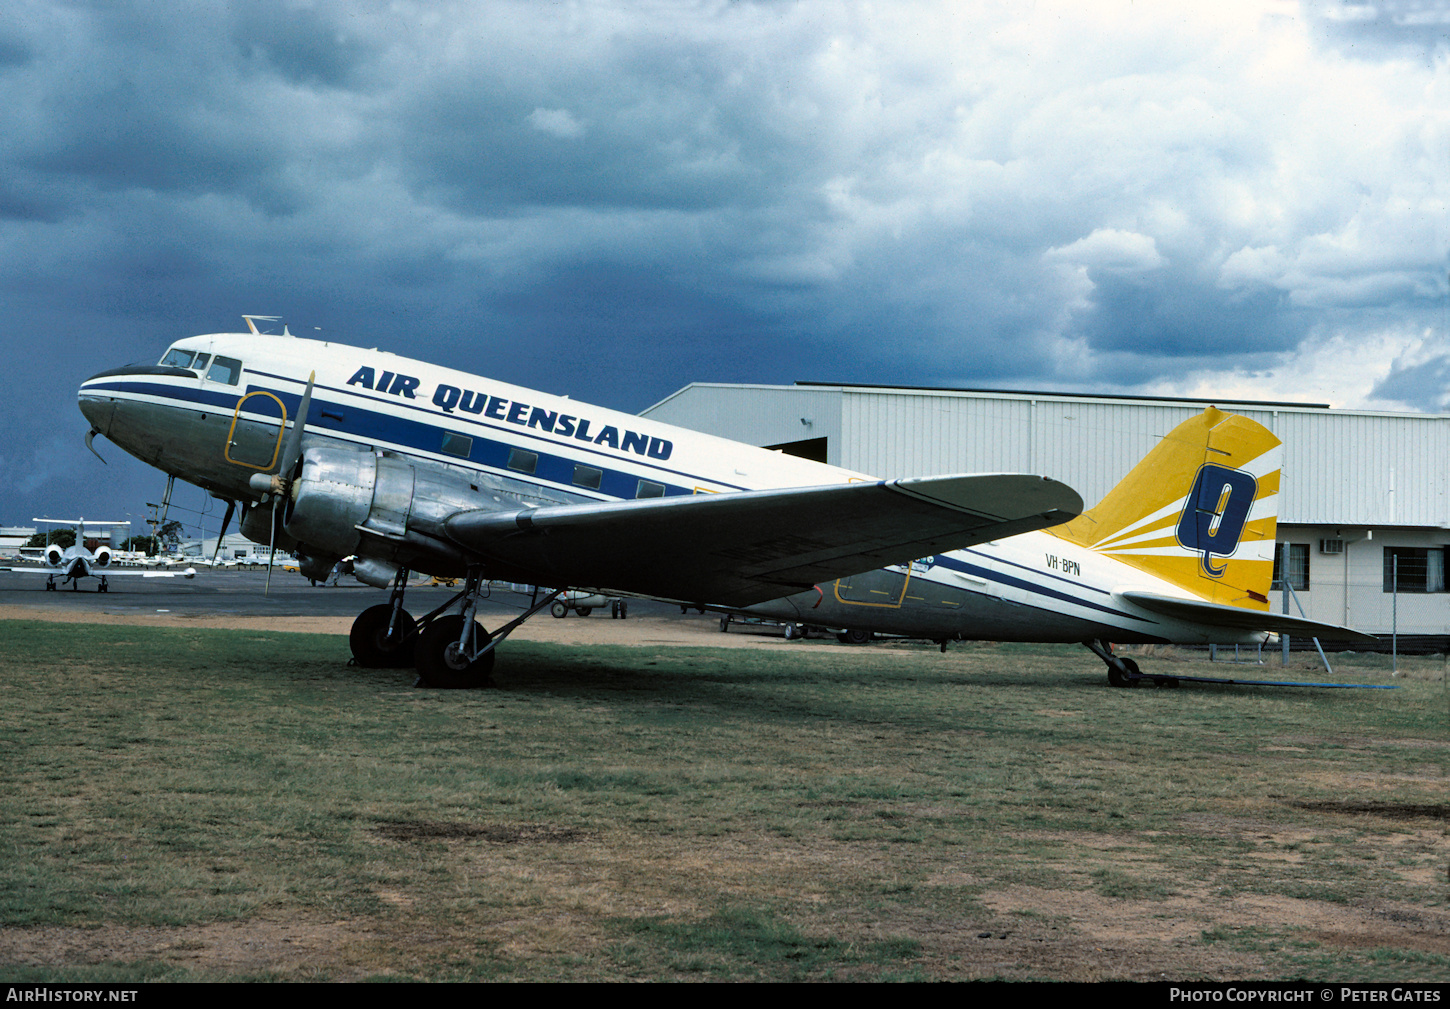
<point x="611" y="200"/>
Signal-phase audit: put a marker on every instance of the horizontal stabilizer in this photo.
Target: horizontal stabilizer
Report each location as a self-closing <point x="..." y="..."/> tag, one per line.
<point x="1239" y="619"/>
<point x="747" y="547"/>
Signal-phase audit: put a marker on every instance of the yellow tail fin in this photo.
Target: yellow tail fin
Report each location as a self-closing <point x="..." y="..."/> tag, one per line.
<point x="1199" y="511"/>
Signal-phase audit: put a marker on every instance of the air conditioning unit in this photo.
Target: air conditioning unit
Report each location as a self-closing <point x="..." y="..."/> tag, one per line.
<point x="1331" y="546"/>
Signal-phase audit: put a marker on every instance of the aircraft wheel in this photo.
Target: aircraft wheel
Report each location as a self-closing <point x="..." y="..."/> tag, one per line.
<point x="1119" y="678"/>
<point x="624" y="609"/>
<point x="584" y="611"/>
<point x="724" y="623"/>
<point x="855" y="636"/>
<point x="614" y="610"/>
<point x="369" y="639"/>
<point x="559" y="610"/>
<point x="439" y="662"/>
<point x="794" y="632"/>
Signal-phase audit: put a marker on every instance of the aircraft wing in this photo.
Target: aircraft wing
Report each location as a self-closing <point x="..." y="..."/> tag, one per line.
<point x="740" y="548"/>
<point x="1237" y="619"/>
<point x="107" y="572"/>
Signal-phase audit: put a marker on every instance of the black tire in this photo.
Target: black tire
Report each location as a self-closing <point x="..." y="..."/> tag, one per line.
<point x="855" y="636"/>
<point x="624" y="609"/>
<point x="583" y="611"/>
<point x="559" y="610"/>
<point x="724" y="623"/>
<point x="614" y="610"/>
<point x="439" y="663"/>
<point x="369" y="638"/>
<point x="1121" y="678"/>
<point x="794" y="632"/>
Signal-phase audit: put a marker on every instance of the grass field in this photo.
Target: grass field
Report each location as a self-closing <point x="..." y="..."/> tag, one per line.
<point x="197" y="804"/>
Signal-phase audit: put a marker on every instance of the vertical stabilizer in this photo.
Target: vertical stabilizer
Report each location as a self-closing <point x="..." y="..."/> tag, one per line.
<point x="1199" y="511"/>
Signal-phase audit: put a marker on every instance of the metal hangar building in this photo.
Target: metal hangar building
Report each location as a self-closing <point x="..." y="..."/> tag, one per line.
<point x="1364" y="501"/>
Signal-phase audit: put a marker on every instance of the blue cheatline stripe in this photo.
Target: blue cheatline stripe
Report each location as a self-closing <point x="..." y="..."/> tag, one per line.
<point x="946" y="561"/>
<point x="1037" y="574"/>
<point x="516" y="430"/>
<point x="375" y="427"/>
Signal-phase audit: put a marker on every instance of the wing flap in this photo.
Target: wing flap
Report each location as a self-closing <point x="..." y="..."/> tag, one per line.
<point x="746" y="547"/>
<point x="1238" y="619"/>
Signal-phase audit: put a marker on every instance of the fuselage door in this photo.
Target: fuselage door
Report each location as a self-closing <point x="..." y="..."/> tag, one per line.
<point x="883" y="587"/>
<point x="255" y="437"/>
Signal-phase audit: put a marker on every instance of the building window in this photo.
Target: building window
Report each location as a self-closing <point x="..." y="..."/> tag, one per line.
<point x="648" y="488"/>
<point x="587" y="476"/>
<point x="523" y="460"/>
<point x="1414" y="569"/>
<point x="1298" y="567"/>
<point x="457" y="444"/>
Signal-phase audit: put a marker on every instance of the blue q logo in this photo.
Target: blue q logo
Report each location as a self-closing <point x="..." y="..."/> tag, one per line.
<point x="1214" y="515"/>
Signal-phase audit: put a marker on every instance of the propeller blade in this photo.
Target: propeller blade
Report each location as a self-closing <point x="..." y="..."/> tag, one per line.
<point x="271" y="547"/>
<point x="293" y="449"/>
<point x="226" y="521"/>
<point x="90" y="437"/>
<point x="282" y="481"/>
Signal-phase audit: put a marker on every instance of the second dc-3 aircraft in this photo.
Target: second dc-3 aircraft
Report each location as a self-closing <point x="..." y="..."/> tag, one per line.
<point x="334" y="451"/>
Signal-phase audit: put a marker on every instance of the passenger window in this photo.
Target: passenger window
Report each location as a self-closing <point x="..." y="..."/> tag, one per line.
<point x="225" y="369"/>
<point x="523" y="460"/>
<point x="457" y="444"/>
<point x="587" y="476"/>
<point x="648" y="488"/>
<point x="177" y="358"/>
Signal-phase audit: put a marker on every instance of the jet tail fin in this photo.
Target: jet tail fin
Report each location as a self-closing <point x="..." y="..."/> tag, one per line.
<point x="1200" y="511"/>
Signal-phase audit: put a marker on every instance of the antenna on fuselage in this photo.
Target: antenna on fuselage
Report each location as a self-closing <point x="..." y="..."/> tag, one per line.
<point x="253" y="319"/>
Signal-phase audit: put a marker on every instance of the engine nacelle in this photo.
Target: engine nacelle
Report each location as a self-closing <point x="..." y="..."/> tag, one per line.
<point x="103" y="557"/>
<point x="378" y="507"/>
<point x="54" y="555"/>
<point x="256" y="521"/>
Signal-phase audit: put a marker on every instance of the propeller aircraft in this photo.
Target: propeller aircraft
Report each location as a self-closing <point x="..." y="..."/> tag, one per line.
<point x="331" y="451"/>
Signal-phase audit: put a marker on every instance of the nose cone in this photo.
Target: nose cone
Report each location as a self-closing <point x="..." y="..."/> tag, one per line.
<point x="96" y="406"/>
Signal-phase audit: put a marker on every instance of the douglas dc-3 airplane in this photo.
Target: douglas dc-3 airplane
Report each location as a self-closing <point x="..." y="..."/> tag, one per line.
<point x="87" y="559"/>
<point x="335" y="451"/>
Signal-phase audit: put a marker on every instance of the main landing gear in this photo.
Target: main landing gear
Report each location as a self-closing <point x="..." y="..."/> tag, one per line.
<point x="1124" y="672"/>
<point x="449" y="650"/>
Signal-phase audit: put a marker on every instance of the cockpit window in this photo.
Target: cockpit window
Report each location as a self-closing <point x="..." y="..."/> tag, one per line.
<point x="177" y="358"/>
<point x="199" y="365"/>
<point x="225" y="369"/>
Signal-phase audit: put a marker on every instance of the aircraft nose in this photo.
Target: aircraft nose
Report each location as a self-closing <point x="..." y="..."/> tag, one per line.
<point x="97" y="407"/>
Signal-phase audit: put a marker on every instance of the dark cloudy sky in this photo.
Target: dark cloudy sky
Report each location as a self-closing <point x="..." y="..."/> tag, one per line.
<point x="613" y="199"/>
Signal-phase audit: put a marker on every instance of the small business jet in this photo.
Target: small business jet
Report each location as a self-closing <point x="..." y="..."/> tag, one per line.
<point x="89" y="558"/>
<point x="332" y="451"/>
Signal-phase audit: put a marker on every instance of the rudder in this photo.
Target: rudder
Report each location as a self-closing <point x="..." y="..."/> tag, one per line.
<point x="1200" y="511"/>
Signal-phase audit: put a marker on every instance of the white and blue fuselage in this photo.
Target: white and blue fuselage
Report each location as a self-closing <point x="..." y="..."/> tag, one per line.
<point x="216" y="410"/>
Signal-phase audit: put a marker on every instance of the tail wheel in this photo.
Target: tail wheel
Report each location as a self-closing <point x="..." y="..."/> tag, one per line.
<point x="441" y="664"/>
<point x="369" y="640"/>
<point x="1124" y="677"/>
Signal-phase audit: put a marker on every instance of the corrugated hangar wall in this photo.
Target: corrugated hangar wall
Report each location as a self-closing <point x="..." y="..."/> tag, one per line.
<point x="1341" y="467"/>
